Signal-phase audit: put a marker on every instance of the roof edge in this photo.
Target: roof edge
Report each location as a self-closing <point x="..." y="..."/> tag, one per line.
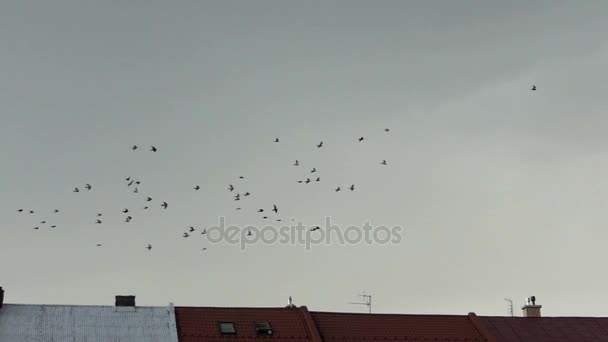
<point x="481" y="328"/>
<point x="310" y="324"/>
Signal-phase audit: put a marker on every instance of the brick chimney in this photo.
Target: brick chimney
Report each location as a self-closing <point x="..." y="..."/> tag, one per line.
<point x="531" y="309"/>
<point x="1" y="296"/>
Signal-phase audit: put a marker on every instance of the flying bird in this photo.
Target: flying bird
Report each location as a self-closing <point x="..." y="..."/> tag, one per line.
<point x="97" y="221"/>
<point x="43" y="222"/>
<point x="153" y="149"/>
<point x="186" y="235"/>
<point x="276" y="140"/>
<point x="204" y="231"/>
<point x="149" y="247"/>
<point x="137" y="182"/>
<point x="315" y="228"/>
<point x="264" y="217"/>
<point x="192" y="229"/>
<point x="76" y="190"/>
<point x="230" y="187"/>
<point x="98" y="245"/>
<point x="307" y="180"/>
<point x="130" y="183"/>
<point x="53" y="226"/>
<point x="352" y="187"/>
<point x="148" y="199"/>
<point x="360" y="139"/>
<point x="87" y="186"/>
<point x="260" y="210"/>
<point x="246" y="194"/>
<point x="99" y="214"/>
<point x="337" y="189"/>
<point x="197" y="188"/>
<point x="31" y="211"/>
<point x="318" y="179"/>
<point x="125" y="210"/>
<point x="204" y="249"/>
<point x="387" y="130"/>
<point x="20" y="210"/>
<point x="237" y="197"/>
<point x="238" y="208"/>
<point x="128" y="179"/>
<point x="164" y="205"/>
<point x="299" y="181"/>
<point x="134" y="147"/>
<point x="145" y="208"/>
<point x="320" y="144"/>
<point x="533" y="88"/>
<point x="128" y="219"/>
<point x="296" y="163"/>
<point x="383" y="162"/>
<point x="249" y="233"/>
<point x="56" y="211"/>
<point x="36" y="228"/>
<point x="314" y="169"/>
<point x="136" y="190"/>
<point x="275" y="209"/>
<point x="241" y="177"/>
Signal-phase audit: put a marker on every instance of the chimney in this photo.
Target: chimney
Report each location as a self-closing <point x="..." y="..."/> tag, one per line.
<point x="531" y="309"/>
<point x="125" y="303"/>
<point x="1" y="296"/>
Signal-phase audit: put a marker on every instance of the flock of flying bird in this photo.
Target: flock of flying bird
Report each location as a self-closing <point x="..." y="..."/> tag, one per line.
<point x="238" y="196"/>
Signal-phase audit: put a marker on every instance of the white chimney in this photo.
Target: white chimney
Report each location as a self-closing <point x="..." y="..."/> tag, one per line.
<point x="531" y="309"/>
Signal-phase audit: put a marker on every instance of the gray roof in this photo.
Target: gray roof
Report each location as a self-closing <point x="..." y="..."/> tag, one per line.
<point x="71" y="323"/>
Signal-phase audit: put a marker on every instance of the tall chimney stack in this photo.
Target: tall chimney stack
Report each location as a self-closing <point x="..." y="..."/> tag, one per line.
<point x="531" y="309"/>
<point x="1" y="296"/>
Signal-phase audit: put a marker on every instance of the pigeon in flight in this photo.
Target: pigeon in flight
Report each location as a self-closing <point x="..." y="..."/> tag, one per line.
<point x="296" y="163"/>
<point x="197" y="188"/>
<point x="43" y="222"/>
<point x="36" y="228"/>
<point x="314" y="169"/>
<point x="318" y="179"/>
<point x="192" y="229"/>
<point x="97" y="221"/>
<point x="279" y="220"/>
<point x="383" y="162"/>
<point x="307" y="180"/>
<point x="31" y="211"/>
<point x="260" y="210"/>
<point x="264" y="217"/>
<point x="352" y="187"/>
<point x="315" y="228"/>
<point x="137" y="182"/>
<point x="204" y="249"/>
<point x="299" y="181"/>
<point x="237" y="197"/>
<point x="98" y="245"/>
<point x="164" y="205"/>
<point x="337" y="189"/>
<point x="275" y="209"/>
<point x="204" y="231"/>
<point x="99" y="214"/>
<point x="56" y="211"/>
<point x="387" y="130"/>
<point x="53" y="226"/>
<point x="230" y="187"/>
<point x="149" y="247"/>
<point x="145" y="208"/>
<point x="148" y="199"/>
<point x="533" y="88"/>
<point x="135" y="191"/>
<point x="241" y="177"/>
<point x="360" y="139"/>
<point x="186" y="235"/>
<point x="20" y="210"/>
<point x="153" y="149"/>
<point x="134" y="147"/>
<point x="87" y="186"/>
<point x="276" y="140"/>
<point x="320" y="144"/>
<point x="128" y="219"/>
<point x="76" y="190"/>
<point x="246" y="194"/>
<point x="128" y="179"/>
<point x="130" y="183"/>
<point x="125" y="210"/>
<point x="238" y="208"/>
<point x="249" y="233"/>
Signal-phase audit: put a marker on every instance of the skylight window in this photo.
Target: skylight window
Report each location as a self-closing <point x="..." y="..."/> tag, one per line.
<point x="263" y="328"/>
<point x="227" y="328"/>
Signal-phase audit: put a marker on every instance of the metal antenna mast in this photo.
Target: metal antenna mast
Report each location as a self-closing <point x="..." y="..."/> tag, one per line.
<point x="368" y="301"/>
<point x="510" y="301"/>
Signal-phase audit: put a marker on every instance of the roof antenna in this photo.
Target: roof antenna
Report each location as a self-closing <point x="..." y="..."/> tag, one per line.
<point x="368" y="301"/>
<point x="290" y="303"/>
<point x="510" y="301"/>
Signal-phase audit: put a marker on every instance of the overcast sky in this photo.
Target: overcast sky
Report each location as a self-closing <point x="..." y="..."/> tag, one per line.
<point x="502" y="192"/>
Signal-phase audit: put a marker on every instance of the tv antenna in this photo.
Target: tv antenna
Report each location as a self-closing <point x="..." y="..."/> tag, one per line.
<point x="510" y="301"/>
<point x="367" y="301"/>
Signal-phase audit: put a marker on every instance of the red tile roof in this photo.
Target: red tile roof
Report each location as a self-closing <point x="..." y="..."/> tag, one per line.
<point x="547" y="329"/>
<point x="196" y="324"/>
<point x="395" y="327"/>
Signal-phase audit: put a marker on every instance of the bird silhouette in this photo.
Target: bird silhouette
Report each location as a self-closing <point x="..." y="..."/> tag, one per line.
<point x="204" y="232"/>
<point x="320" y="144"/>
<point x="264" y="217"/>
<point x="56" y="211"/>
<point x="299" y="181"/>
<point x="314" y="169"/>
<point x="128" y="179"/>
<point x="533" y="88"/>
<point x="296" y="163"/>
<point x="148" y="199"/>
<point x="204" y="249"/>
<point x="307" y="180"/>
<point x="137" y="182"/>
<point x="128" y="219"/>
<point x="164" y="205"/>
<point x="383" y="162"/>
<point x="315" y="228"/>
<point x="192" y="229"/>
<point x="125" y="210"/>
<point x="20" y="210"/>
<point x="76" y="190"/>
<point x="318" y="179"/>
<point x="134" y="147"/>
<point x="260" y="210"/>
<point x="31" y="211"/>
<point x="246" y="194"/>
<point x="360" y="139"/>
<point x="87" y="186"/>
<point x="238" y="208"/>
<point x="149" y="247"/>
<point x="36" y="228"/>
<point x="279" y="220"/>
<point x="241" y="177"/>
<point x="337" y="189"/>
<point x="153" y="149"/>
<point x="197" y="188"/>
<point x="237" y="197"/>
<point x="97" y="221"/>
<point x="130" y="183"/>
<point x="275" y="209"/>
<point x="276" y="140"/>
<point x="98" y="245"/>
<point x="43" y="222"/>
<point x="249" y="233"/>
<point x="352" y="187"/>
<point x="53" y="226"/>
<point x="145" y="208"/>
<point x="230" y="187"/>
<point x="136" y="190"/>
<point x="186" y="235"/>
<point x="387" y="130"/>
<point x="99" y="214"/>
